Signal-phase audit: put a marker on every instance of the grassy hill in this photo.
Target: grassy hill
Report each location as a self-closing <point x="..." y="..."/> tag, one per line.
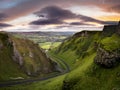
<point x="8" y="68"/>
<point x="94" y="59"/>
<point x="20" y="58"/>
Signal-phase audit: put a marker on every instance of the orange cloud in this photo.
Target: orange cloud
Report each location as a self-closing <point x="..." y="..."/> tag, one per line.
<point x="109" y="18"/>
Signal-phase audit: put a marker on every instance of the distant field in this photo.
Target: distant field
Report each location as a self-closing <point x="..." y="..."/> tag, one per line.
<point x="47" y="45"/>
<point x="43" y="39"/>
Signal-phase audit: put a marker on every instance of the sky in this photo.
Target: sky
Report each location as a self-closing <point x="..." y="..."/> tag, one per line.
<point x="57" y="15"/>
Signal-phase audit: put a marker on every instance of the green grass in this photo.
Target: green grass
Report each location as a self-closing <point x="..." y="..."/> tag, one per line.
<point x="69" y="57"/>
<point x="111" y="43"/>
<point x="87" y="76"/>
<point x="57" y="59"/>
<point x="79" y="53"/>
<point x="51" y="84"/>
<point x="48" y="45"/>
<point x="35" y="62"/>
<point x="45" y="45"/>
<point x="8" y="68"/>
<point x="71" y="51"/>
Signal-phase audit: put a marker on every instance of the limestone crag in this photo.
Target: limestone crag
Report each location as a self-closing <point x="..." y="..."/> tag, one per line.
<point x="81" y="34"/>
<point x="107" y="59"/>
<point x="17" y="56"/>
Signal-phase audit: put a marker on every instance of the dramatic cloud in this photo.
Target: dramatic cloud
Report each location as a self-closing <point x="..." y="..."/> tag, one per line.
<point x="20" y="8"/>
<point x="57" y="15"/>
<point x="110" y="22"/>
<point x="61" y="13"/>
<point x="53" y="15"/>
<point x="3" y="25"/>
<point x="2" y="16"/>
<point x="80" y="23"/>
<point x="53" y="12"/>
<point x="46" y="22"/>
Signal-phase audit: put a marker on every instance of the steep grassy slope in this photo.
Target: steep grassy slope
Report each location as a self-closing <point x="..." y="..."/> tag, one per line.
<point x="8" y="68"/>
<point x="86" y="53"/>
<point x="78" y="47"/>
<point x="20" y="58"/>
<point x="86" y="74"/>
<point x="34" y="60"/>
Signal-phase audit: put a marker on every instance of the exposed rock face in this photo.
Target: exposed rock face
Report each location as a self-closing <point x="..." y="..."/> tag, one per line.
<point x="31" y="54"/>
<point x="17" y="57"/>
<point x="109" y="28"/>
<point x="28" y="56"/>
<point x="112" y="29"/>
<point x="33" y="60"/>
<point x="107" y="59"/>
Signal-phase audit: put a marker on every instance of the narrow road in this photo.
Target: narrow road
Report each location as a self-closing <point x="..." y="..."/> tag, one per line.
<point x="12" y="83"/>
<point x="66" y="65"/>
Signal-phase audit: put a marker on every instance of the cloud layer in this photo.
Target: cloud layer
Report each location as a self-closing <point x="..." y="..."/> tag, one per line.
<point x="25" y="7"/>
<point x="56" y="15"/>
<point x="3" y="25"/>
<point x="2" y="16"/>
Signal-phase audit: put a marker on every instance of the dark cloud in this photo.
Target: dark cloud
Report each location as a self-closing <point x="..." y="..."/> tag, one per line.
<point x="57" y="15"/>
<point x="2" y="16"/>
<point x="89" y="19"/>
<point x="25" y="7"/>
<point x="80" y="23"/>
<point x="110" y="22"/>
<point x="3" y="25"/>
<point x="53" y="15"/>
<point x="103" y="22"/>
<point x="77" y="23"/>
<point x="46" y="22"/>
<point x="54" y="12"/>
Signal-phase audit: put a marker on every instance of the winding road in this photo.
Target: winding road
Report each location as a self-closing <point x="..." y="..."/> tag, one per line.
<point x="17" y="82"/>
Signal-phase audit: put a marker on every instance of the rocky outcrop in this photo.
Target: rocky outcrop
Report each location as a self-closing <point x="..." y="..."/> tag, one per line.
<point x="17" y="56"/>
<point x="111" y="29"/>
<point x="107" y="59"/>
<point x="31" y="54"/>
<point x="30" y="59"/>
<point x="81" y="34"/>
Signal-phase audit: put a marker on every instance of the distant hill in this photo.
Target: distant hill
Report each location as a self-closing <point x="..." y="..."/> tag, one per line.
<point x="45" y="33"/>
<point x="42" y="37"/>
<point x="22" y="58"/>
